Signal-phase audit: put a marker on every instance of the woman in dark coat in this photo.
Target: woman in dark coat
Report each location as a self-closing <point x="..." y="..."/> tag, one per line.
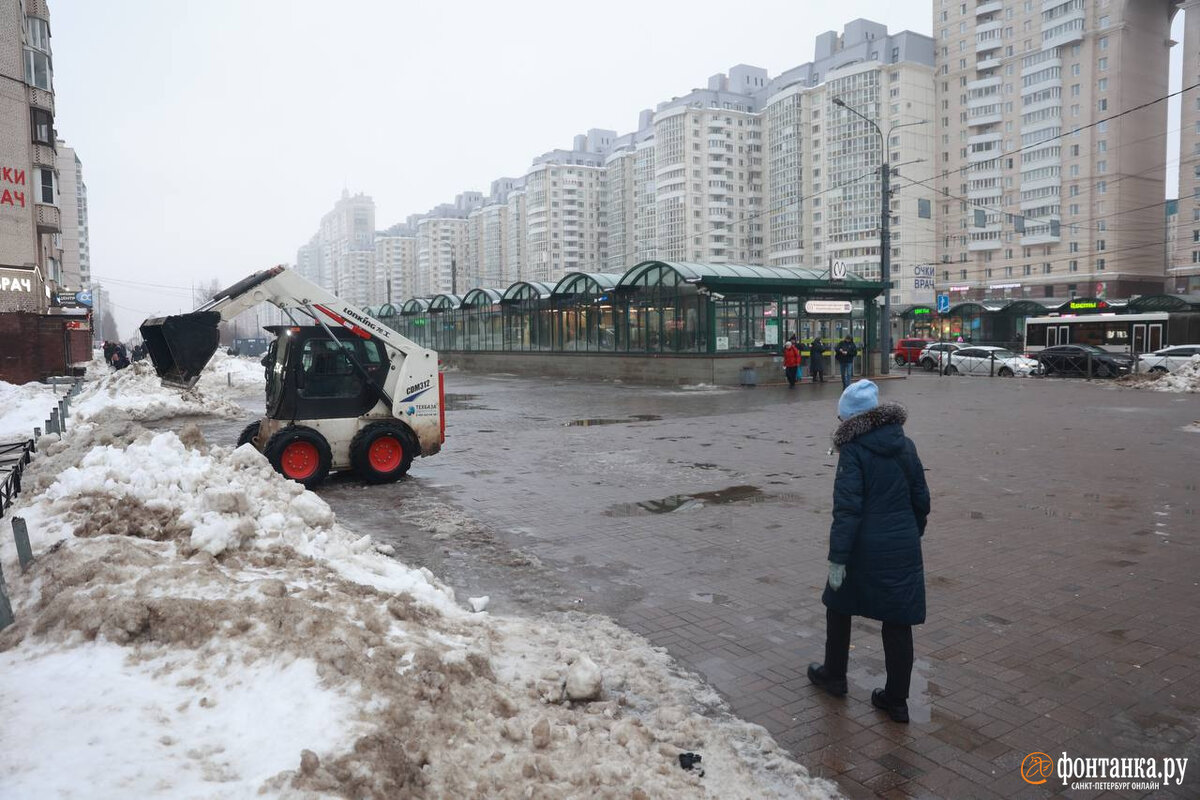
<point x="880" y="504"/>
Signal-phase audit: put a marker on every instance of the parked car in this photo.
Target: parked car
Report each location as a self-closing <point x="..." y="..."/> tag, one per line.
<point x="934" y="354"/>
<point x="989" y="360"/>
<point x="1073" y="359"/>
<point x="1168" y="359"/>
<point x="910" y="350"/>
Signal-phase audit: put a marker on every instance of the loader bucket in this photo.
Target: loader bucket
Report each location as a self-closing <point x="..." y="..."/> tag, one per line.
<point x="180" y="346"/>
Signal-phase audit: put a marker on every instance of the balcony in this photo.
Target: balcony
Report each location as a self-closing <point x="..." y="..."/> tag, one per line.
<point x="1039" y="238"/>
<point x="985" y="115"/>
<point x="44" y="156"/>
<point x="987" y="194"/>
<point x="40" y="98"/>
<point x="987" y="63"/>
<point x="49" y="218"/>
<point x="1063" y="30"/>
<point x="976" y="245"/>
<point x="988" y="7"/>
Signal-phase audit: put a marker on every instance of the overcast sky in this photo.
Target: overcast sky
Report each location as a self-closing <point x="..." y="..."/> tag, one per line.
<point x="214" y="134"/>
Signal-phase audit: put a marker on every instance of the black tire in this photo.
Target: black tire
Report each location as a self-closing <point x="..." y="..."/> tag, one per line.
<point x="1005" y="372"/>
<point x="373" y="452"/>
<point x="900" y="359"/>
<point x="928" y="364"/>
<point x="951" y="370"/>
<point x="249" y="433"/>
<point x="305" y="465"/>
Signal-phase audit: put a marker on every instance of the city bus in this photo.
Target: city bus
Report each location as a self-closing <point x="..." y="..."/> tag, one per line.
<point x="1116" y="333"/>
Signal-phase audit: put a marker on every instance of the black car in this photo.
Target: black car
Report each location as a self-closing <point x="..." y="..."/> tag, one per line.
<point x="1085" y="360"/>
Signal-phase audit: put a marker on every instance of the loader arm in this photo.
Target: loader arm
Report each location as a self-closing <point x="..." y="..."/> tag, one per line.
<point x="180" y="346"/>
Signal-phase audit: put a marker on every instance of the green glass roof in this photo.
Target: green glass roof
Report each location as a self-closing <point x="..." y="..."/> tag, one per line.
<point x="415" y="306"/>
<point x="1165" y="302"/>
<point x="586" y="282"/>
<point x="481" y="297"/>
<point x="745" y="274"/>
<point x="526" y="290"/>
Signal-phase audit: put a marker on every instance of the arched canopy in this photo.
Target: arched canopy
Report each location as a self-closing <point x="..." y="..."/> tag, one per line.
<point x="368" y="310"/>
<point x="481" y="297"/>
<point x="1030" y="308"/>
<point x="972" y="306"/>
<point x="1164" y="302"/>
<point x="387" y="310"/>
<point x="445" y="302"/>
<point x="526" y="290"/>
<point x="586" y="283"/>
<point x="742" y="277"/>
<point x="417" y="305"/>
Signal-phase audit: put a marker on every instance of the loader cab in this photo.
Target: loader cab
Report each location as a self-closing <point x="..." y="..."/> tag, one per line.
<point x="310" y="376"/>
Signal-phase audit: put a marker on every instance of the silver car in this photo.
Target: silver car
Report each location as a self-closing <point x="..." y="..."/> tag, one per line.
<point x="1168" y="359"/>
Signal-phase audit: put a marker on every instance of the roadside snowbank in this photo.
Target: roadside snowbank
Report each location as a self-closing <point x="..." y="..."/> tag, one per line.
<point x="196" y="626"/>
<point x="26" y="406"/>
<point x="136" y="392"/>
<point x="1185" y="379"/>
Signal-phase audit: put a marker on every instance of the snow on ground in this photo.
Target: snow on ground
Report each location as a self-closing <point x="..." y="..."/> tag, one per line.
<point x="195" y="626"/>
<point x="1185" y="379"/>
<point x="26" y="406"/>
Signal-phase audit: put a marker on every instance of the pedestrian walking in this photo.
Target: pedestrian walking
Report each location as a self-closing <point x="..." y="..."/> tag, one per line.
<point x="816" y="360"/>
<point x="880" y="506"/>
<point x="791" y="361"/>
<point x="844" y="353"/>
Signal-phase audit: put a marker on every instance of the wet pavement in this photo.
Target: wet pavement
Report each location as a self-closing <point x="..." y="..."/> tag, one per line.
<point x="1061" y="558"/>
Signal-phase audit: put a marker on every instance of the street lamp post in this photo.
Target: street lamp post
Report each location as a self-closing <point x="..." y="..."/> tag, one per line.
<point x="885" y="233"/>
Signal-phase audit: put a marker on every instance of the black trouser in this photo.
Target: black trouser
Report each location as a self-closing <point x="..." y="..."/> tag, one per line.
<point x="817" y="366"/>
<point x="790" y="372"/>
<point x="897" y="652"/>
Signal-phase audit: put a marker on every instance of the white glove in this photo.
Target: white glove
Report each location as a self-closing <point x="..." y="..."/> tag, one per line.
<point x="837" y="574"/>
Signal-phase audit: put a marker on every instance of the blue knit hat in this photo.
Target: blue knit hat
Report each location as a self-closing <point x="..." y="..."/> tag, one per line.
<point x="859" y="396"/>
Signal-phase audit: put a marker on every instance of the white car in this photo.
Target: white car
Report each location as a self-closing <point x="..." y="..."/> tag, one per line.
<point x="1168" y="359"/>
<point x="935" y="354"/>
<point x="988" y="360"/>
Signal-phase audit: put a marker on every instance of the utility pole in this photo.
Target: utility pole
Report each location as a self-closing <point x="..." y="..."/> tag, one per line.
<point x="885" y="231"/>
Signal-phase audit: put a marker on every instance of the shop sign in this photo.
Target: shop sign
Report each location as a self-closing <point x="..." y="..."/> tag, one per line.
<point x="1087" y="305"/>
<point x="921" y="312"/>
<point x="15" y="283"/>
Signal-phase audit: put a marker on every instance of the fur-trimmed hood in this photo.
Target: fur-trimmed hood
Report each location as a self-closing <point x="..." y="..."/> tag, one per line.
<point x="861" y="424"/>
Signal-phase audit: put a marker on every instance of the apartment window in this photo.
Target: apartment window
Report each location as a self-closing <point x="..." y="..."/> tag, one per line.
<point x="37" y="69"/>
<point x="47" y="186"/>
<point x="1102" y="64"/>
<point x="1100" y="264"/>
<point x="1101" y="187"/>
<point x="1074" y="247"/>
<point x="1100" y="244"/>
<point x="43" y="126"/>
<point x="1103" y="104"/>
<point x="1075" y="70"/>
<point x="1102" y="146"/>
<point x="1075" y="109"/>
<point x="1028" y="270"/>
<point x="1102" y="85"/>
<point x="1075" y="90"/>
<point x="1073" y="266"/>
<point x="1104" y="39"/>
<point x="1101" y="166"/>
<point x="1075" y="150"/>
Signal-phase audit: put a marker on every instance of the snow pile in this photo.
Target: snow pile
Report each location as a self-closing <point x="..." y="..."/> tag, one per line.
<point x="196" y="626"/>
<point x="1185" y="379"/>
<point x="138" y="393"/>
<point x="26" y="406"/>
<point x="242" y="373"/>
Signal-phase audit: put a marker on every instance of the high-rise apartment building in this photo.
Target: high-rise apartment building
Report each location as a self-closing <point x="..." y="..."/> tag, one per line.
<point x="341" y="256"/>
<point x="76" y="266"/>
<point x="629" y="185"/>
<point x="1051" y="183"/>
<point x="515" y="233"/>
<point x="565" y="209"/>
<point x="442" y="247"/>
<point x="396" y="260"/>
<point x="30" y="215"/>
<point x="823" y="161"/>
<point x="1184" y="269"/>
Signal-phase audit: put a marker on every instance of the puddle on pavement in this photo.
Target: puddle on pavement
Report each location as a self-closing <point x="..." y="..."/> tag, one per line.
<point x="587" y="423"/>
<point x="715" y="599"/>
<point x="689" y="502"/>
<point x="463" y="402"/>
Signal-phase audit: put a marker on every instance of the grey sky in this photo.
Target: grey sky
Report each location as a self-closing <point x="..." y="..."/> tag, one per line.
<point x="215" y="133"/>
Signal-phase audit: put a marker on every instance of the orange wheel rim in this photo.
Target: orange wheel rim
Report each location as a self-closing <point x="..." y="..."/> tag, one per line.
<point x="300" y="460"/>
<point x="385" y="453"/>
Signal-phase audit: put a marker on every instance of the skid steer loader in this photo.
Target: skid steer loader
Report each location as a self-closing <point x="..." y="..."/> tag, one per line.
<point x="344" y="391"/>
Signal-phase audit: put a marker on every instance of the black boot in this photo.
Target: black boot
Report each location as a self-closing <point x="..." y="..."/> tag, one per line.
<point x="879" y="698"/>
<point x="819" y="677"/>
